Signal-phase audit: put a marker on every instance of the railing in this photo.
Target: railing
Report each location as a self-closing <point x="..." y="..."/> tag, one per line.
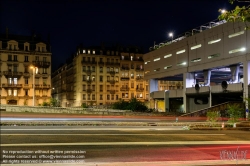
<point x="113" y="63"/>
<point x="112" y="81"/>
<point x="13" y="73"/>
<point x="192" y="32"/>
<point x="124" y="78"/>
<point x="111" y="73"/>
<point x="220" y="107"/>
<point x="41" y="64"/>
<point x="139" y="89"/>
<point x="12" y="85"/>
<point x="124" y="89"/>
<point x="112" y="91"/>
<point x="42" y="86"/>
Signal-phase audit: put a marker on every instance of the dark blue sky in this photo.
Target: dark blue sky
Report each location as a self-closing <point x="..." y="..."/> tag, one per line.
<point x="127" y="22"/>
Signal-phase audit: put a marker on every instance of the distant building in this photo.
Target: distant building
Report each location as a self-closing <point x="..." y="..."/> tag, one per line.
<point x="101" y="76"/>
<point x="17" y="55"/>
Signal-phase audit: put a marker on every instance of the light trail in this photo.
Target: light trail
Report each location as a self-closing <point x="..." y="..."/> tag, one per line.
<point x="133" y="143"/>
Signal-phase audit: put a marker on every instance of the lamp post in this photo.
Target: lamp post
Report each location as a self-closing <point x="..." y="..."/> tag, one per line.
<point x="35" y="69"/>
<point x="171" y="35"/>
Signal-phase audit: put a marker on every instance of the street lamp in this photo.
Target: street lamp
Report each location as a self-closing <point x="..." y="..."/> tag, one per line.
<point x="35" y="70"/>
<point x="171" y="35"/>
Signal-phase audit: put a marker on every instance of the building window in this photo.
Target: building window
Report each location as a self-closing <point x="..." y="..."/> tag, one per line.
<point x="93" y="97"/>
<point x="101" y="97"/>
<point x="93" y="87"/>
<point x="15" y="57"/>
<point x="101" y="78"/>
<point x="84" y="96"/>
<point x="84" y="87"/>
<point x="101" y="88"/>
<point x="93" y="68"/>
<point x="117" y="97"/>
<point x="9" y="92"/>
<point x="84" y="68"/>
<point x="26" y="48"/>
<point x="112" y="97"/>
<point x="44" y="70"/>
<point x="89" y="97"/>
<point x="26" y="81"/>
<point x="108" y="97"/>
<point x="108" y="78"/>
<point x="9" y="57"/>
<point x="37" y="58"/>
<point x="26" y="59"/>
<point x="101" y="69"/>
<point x="44" y="59"/>
<point x="132" y="95"/>
<point x="26" y="93"/>
<point x="14" y="92"/>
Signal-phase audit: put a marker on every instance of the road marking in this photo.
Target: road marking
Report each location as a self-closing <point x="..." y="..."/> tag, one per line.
<point x="133" y="143"/>
<point x="119" y="134"/>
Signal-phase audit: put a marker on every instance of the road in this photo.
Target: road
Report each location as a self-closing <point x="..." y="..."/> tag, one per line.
<point x="120" y="145"/>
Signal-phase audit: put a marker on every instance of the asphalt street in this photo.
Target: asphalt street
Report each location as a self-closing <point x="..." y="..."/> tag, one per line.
<point x="120" y="145"/>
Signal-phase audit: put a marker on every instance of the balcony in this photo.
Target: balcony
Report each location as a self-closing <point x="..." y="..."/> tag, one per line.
<point x="86" y="62"/>
<point x="112" y="73"/>
<point x="27" y="86"/>
<point x="124" y="89"/>
<point x="26" y="74"/>
<point x="41" y="64"/>
<point x="124" y="68"/>
<point x="12" y="85"/>
<point x="88" y="72"/>
<point x="124" y="78"/>
<point x="88" y="81"/>
<point x="112" y="64"/>
<point x="139" y="89"/>
<point x="139" y="69"/>
<point x="139" y="78"/>
<point x="42" y="86"/>
<point x="12" y="74"/>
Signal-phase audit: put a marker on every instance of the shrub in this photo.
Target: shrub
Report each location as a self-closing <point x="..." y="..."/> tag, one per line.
<point x="213" y="116"/>
<point x="235" y="112"/>
<point x="133" y="105"/>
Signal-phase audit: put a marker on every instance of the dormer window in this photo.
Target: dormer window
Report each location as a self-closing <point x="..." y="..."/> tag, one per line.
<point x="83" y="51"/>
<point x="93" y="51"/>
<point x="88" y="51"/>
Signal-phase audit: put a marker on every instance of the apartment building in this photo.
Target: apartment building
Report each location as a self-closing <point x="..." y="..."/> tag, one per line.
<point x="101" y="76"/>
<point x="25" y="70"/>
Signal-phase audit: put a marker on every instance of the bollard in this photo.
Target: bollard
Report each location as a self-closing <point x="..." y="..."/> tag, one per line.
<point x="222" y="125"/>
<point x="176" y="120"/>
<point x="234" y="125"/>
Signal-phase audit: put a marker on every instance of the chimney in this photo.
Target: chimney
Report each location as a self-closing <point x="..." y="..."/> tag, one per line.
<point x="7" y="33"/>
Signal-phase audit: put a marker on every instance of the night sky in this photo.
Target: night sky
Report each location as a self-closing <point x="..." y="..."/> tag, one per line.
<point x="91" y="22"/>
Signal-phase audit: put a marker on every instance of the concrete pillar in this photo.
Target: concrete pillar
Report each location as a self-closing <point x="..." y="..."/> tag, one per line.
<point x="188" y="81"/>
<point x="153" y="85"/>
<point x="246" y="79"/>
<point x="166" y="101"/>
<point x="207" y="75"/>
<point x="235" y="73"/>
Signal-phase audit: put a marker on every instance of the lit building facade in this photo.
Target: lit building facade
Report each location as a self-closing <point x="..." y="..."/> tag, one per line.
<point x="17" y="55"/>
<point x="101" y="76"/>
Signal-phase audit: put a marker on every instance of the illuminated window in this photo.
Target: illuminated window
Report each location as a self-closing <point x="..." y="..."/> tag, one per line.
<point x="167" y="67"/>
<point x="214" y="41"/>
<point x="195" y="47"/>
<point x="167" y="56"/>
<point x="237" y="50"/>
<point x="157" y="59"/>
<point x="181" y="51"/>
<point x="236" y="34"/>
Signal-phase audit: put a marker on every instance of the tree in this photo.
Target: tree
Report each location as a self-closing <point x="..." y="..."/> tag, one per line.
<point x="238" y="14"/>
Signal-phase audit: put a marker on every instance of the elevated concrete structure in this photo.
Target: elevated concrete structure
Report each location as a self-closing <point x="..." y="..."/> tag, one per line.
<point x="213" y="65"/>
